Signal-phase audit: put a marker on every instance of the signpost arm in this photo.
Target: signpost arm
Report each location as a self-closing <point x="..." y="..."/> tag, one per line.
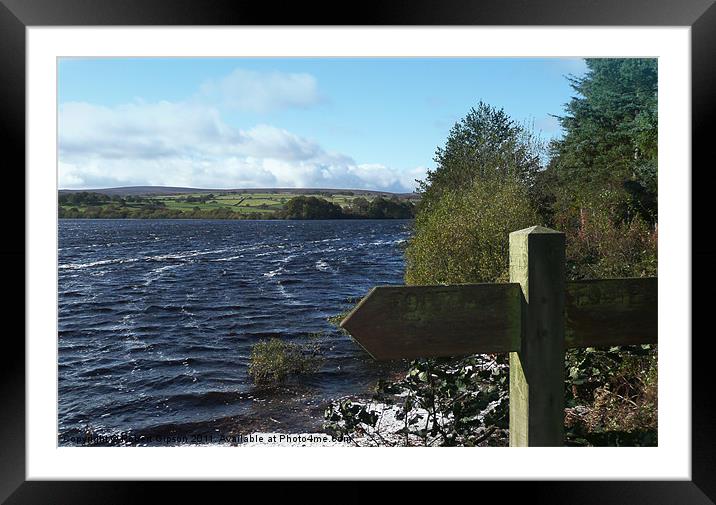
<point x="537" y="263"/>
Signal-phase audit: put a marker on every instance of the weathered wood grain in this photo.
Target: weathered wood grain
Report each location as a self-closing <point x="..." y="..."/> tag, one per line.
<point x="394" y="322"/>
<point x="537" y="366"/>
<point x="607" y="312"/>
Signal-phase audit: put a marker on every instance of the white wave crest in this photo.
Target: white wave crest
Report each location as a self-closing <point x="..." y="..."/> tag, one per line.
<point x="78" y="266"/>
<point x="324" y="266"/>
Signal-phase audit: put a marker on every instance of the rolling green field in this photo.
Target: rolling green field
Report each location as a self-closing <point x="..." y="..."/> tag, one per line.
<point x="239" y="204"/>
<point x="248" y="202"/>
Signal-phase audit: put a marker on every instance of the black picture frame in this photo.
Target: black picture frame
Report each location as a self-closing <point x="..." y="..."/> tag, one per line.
<point x="17" y="15"/>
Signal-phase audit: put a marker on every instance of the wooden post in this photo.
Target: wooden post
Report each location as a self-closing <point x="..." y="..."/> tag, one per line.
<point x="537" y="369"/>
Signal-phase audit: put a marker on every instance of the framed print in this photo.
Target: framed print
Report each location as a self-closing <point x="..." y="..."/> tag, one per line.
<point x="230" y="212"/>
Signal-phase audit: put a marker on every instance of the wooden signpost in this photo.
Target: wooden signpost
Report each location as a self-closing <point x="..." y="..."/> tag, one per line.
<point x="534" y="317"/>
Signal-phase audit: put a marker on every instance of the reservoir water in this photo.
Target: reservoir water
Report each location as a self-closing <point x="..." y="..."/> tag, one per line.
<point x="157" y="319"/>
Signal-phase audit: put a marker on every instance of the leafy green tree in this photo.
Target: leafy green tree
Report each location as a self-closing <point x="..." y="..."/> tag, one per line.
<point x="477" y="194"/>
<point x="484" y="144"/>
<point x="311" y="207"/>
<point x="383" y="208"/>
<point x="359" y="205"/>
<point x="83" y="198"/>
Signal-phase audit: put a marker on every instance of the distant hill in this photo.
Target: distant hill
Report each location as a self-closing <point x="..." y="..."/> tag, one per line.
<point x="168" y="190"/>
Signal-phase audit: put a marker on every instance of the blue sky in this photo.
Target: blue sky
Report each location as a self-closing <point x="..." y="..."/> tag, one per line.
<point x="296" y="122"/>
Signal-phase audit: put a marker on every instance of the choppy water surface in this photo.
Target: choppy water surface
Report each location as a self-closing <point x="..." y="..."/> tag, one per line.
<point x="157" y="318"/>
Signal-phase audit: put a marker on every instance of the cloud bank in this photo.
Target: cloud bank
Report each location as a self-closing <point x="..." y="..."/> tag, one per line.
<point x="188" y="144"/>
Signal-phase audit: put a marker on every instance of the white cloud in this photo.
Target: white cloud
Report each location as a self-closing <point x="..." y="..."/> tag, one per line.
<point x="247" y="90"/>
<point x="188" y="144"/>
<point x="140" y="130"/>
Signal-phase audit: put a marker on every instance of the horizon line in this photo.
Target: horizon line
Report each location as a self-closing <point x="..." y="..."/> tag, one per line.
<point x="236" y="189"/>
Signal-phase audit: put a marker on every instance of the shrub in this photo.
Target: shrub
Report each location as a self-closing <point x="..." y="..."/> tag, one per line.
<point x="273" y="360"/>
<point x="601" y="244"/>
<point x="464" y="236"/>
<point x="612" y="396"/>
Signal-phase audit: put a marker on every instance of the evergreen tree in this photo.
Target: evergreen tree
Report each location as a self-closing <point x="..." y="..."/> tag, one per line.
<point x="610" y="141"/>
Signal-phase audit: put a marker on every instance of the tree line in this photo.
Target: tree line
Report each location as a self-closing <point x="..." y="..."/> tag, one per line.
<point x="311" y="207"/>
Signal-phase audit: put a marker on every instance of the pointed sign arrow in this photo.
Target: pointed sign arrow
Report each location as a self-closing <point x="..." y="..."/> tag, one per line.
<point x="395" y="322"/>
